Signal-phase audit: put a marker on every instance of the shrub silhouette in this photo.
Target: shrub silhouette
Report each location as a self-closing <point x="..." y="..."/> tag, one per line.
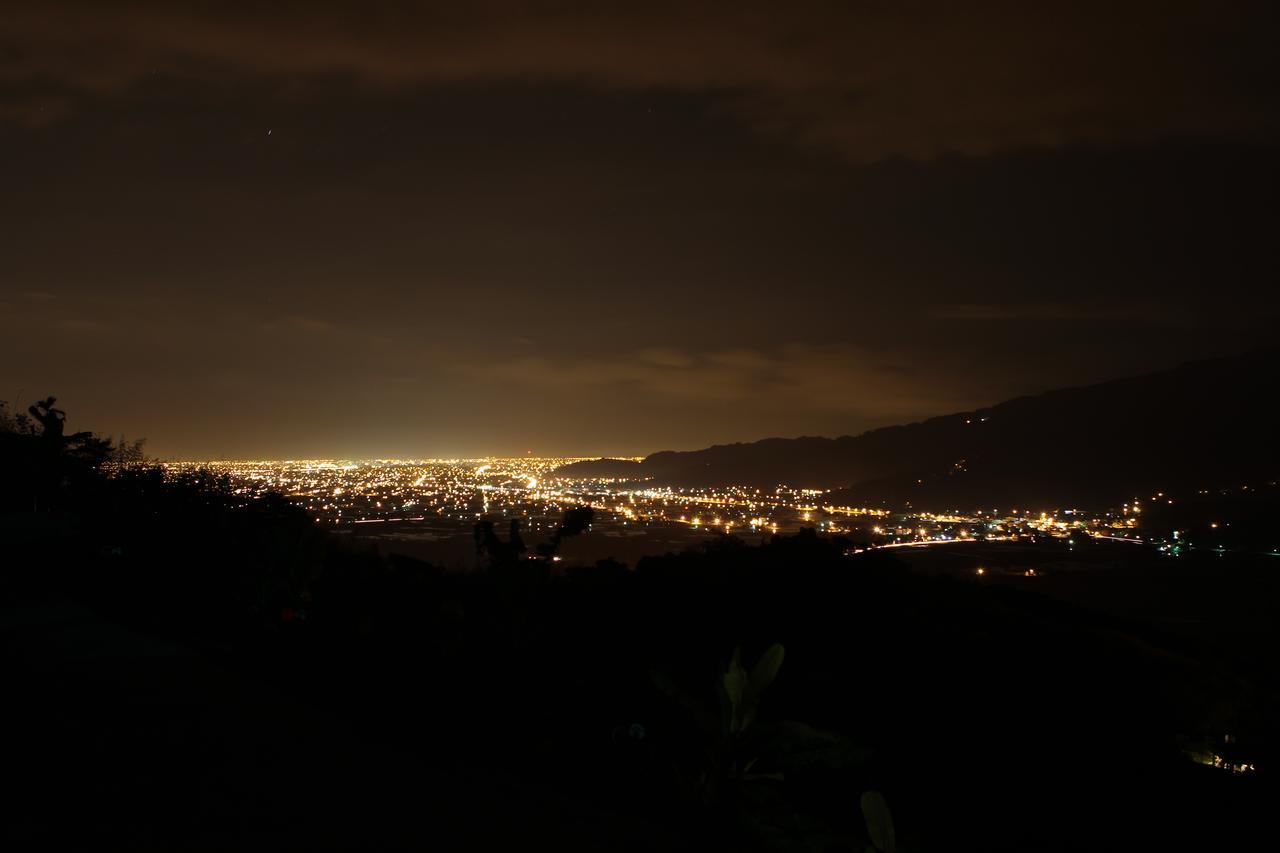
<point x="575" y="521"/>
<point x="497" y="553"/>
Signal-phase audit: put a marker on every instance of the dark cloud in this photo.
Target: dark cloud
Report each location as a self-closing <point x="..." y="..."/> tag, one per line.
<point x="801" y="379"/>
<point x="869" y="79"/>
<point x="1058" y="311"/>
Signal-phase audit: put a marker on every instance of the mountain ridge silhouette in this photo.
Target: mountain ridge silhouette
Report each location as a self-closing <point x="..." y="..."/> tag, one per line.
<point x="1201" y="425"/>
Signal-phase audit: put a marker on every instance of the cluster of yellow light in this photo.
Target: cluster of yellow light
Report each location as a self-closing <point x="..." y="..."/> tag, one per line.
<point x="453" y="493"/>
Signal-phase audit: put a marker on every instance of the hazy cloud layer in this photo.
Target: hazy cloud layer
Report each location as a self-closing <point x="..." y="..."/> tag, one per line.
<point x="869" y="79"/>
<point x="803" y="378"/>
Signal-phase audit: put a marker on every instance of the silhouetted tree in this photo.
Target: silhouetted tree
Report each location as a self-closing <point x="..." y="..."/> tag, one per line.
<point x="51" y="419"/>
<point x="125" y="452"/>
<point x="47" y="469"/>
<point x="575" y="521"/>
<point x="11" y="423"/>
<point x="514" y="540"/>
<point x="497" y="552"/>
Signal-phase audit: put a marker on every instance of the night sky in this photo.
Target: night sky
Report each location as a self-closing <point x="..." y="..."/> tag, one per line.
<point x="491" y="229"/>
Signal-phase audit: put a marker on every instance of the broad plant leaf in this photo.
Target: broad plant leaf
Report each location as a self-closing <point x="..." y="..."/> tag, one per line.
<point x="734" y="685"/>
<point x="879" y="821"/>
<point x="765" y="670"/>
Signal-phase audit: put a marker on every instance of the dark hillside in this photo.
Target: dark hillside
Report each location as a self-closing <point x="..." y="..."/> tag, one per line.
<point x="1200" y="425"/>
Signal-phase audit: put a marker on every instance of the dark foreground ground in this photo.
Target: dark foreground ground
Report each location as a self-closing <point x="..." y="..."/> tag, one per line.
<point x="118" y="740"/>
<point x="996" y="712"/>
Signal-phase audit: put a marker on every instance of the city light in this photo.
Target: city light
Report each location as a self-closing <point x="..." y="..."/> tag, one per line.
<point x="448" y="496"/>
